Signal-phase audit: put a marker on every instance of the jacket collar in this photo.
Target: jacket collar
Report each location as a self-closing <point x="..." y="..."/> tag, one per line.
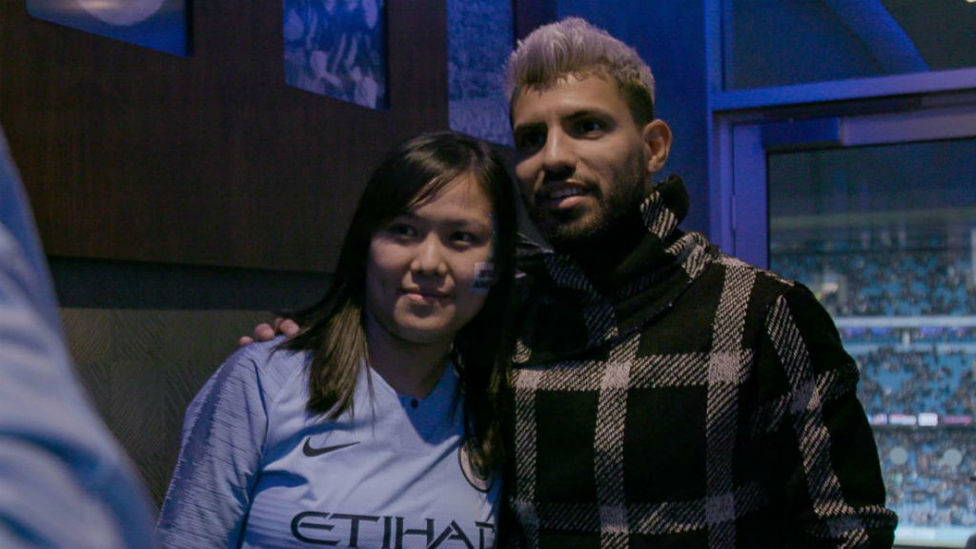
<point x="564" y="314"/>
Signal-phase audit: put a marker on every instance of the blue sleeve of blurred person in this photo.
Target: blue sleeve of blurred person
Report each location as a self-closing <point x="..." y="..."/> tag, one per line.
<point x="64" y="481"/>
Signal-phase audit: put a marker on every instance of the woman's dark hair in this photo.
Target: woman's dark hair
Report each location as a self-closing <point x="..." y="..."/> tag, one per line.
<point x="333" y="328"/>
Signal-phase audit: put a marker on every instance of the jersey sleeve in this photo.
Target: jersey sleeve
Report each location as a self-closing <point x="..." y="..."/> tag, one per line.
<point x="64" y="481"/>
<point x="828" y="458"/>
<point x="219" y="462"/>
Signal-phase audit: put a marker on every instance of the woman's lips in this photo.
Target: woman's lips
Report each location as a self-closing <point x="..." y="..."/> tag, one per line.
<point x="425" y="297"/>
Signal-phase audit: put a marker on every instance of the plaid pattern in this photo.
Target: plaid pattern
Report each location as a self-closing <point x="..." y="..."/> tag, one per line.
<point x="707" y="404"/>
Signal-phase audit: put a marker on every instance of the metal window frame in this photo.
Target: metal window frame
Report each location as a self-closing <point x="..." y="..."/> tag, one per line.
<point x="864" y="111"/>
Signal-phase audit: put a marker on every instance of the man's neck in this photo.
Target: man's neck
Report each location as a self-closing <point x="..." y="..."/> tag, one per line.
<point x="412" y="369"/>
<point x="600" y="258"/>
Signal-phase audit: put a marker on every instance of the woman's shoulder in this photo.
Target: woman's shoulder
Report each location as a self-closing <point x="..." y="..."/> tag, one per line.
<point x="266" y="363"/>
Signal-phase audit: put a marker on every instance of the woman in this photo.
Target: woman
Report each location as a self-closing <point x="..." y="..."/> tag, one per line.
<point x="378" y="425"/>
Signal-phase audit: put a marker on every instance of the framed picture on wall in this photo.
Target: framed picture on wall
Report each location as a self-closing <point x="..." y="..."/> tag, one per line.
<point x="158" y="24"/>
<point x="480" y="37"/>
<point x="337" y="48"/>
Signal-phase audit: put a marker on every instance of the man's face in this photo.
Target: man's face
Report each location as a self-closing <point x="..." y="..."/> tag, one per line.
<point x="583" y="162"/>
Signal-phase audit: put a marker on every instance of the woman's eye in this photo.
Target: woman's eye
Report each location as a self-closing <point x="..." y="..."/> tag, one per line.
<point x="402" y="230"/>
<point x="464" y="237"/>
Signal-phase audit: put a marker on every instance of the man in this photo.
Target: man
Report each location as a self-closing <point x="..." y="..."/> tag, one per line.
<point x="64" y="482"/>
<point x="666" y="395"/>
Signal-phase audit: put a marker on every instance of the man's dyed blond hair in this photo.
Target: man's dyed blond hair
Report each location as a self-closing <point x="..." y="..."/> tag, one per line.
<point x="574" y="47"/>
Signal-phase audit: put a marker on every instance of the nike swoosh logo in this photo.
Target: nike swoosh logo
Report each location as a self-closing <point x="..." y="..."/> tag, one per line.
<point x="309" y="451"/>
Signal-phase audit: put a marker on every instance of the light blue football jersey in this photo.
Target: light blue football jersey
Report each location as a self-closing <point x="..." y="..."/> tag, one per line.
<point x="64" y="481"/>
<point x="257" y="470"/>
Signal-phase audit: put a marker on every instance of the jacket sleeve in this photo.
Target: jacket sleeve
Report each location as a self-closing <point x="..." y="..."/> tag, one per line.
<point x="830" y="470"/>
<point x="219" y="462"/>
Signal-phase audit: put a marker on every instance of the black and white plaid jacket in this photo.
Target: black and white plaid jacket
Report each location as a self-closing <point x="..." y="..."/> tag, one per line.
<point x="708" y="403"/>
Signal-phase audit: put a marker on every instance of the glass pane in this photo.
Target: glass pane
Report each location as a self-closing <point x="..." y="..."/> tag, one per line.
<point x="480" y="36"/>
<point x="886" y="238"/>
<point x="783" y="42"/>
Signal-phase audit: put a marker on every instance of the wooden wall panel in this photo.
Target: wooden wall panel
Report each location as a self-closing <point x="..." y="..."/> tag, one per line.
<point x="128" y="153"/>
<point x="143" y="367"/>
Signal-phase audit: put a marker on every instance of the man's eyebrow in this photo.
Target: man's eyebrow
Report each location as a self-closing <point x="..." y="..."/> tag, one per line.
<point x="585" y="113"/>
<point x="525" y="126"/>
<point x="574" y="115"/>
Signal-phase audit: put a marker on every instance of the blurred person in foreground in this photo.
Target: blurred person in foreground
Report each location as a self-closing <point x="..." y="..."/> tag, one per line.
<point x="64" y="481"/>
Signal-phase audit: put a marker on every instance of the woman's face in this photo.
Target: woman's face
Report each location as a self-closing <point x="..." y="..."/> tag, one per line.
<point x="422" y="276"/>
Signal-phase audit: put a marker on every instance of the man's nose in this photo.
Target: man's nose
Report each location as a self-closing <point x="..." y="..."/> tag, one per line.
<point x="430" y="257"/>
<point x="558" y="156"/>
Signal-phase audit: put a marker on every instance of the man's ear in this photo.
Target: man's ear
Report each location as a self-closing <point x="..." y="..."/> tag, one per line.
<point x="657" y="139"/>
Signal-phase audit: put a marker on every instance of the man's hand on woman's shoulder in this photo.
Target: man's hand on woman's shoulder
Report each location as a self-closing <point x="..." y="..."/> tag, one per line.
<point x="267" y="332"/>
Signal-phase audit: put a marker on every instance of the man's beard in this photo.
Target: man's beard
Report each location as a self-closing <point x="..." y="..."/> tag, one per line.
<point x="614" y="220"/>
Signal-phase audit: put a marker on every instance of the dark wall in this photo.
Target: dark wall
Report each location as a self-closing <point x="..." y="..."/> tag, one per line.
<point x="132" y="154"/>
